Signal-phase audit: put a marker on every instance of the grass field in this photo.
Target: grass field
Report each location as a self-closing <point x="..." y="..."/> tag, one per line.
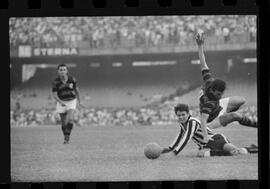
<point x="116" y="154"/>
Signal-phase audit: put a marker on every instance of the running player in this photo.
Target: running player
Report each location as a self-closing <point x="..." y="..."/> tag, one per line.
<point x="190" y="128"/>
<point x="66" y="94"/>
<point x="216" y="111"/>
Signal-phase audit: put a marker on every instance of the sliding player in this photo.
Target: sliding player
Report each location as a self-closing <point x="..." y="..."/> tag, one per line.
<point x="190" y="128"/>
<point x="66" y="94"/>
<point x="216" y="111"/>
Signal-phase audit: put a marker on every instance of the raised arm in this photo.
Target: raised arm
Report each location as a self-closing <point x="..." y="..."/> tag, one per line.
<point x="200" y="41"/>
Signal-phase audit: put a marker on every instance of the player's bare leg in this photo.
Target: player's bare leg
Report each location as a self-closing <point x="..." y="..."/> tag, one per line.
<point x="228" y="118"/>
<point x="235" y="102"/>
<point x="234" y="150"/>
<point x="69" y="123"/>
<point x="228" y="150"/>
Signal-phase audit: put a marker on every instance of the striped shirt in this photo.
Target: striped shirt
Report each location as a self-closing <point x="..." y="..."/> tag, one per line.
<point x="208" y="103"/>
<point x="190" y="130"/>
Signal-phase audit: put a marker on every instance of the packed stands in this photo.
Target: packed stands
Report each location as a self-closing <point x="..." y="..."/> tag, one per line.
<point x="129" y="32"/>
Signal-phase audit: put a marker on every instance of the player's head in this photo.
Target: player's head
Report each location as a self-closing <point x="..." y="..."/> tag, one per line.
<point x="217" y="88"/>
<point x="182" y="112"/>
<point x="62" y="69"/>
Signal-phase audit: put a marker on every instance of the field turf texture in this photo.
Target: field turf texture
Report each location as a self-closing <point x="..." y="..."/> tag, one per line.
<point x="115" y="153"/>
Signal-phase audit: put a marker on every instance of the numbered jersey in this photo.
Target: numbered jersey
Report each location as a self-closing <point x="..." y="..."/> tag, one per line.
<point x="208" y="104"/>
<point x="65" y="91"/>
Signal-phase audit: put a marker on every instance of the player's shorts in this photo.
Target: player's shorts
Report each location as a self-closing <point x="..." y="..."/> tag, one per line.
<point x="215" y="123"/>
<point x="71" y="104"/>
<point x="218" y="143"/>
<point x="224" y="104"/>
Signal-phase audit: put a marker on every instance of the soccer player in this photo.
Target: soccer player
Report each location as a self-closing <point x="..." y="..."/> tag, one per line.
<point x="66" y="94"/>
<point x="216" y="111"/>
<point x="190" y="128"/>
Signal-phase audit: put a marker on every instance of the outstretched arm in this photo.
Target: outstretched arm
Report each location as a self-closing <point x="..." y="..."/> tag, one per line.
<point x="166" y="150"/>
<point x="174" y="143"/>
<point x="200" y="41"/>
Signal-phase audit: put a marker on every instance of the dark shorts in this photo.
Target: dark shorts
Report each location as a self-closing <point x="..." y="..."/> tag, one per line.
<point x="218" y="142"/>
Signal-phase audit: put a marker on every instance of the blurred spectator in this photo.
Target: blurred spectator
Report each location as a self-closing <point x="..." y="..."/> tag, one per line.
<point x="127" y="32"/>
<point x="163" y="114"/>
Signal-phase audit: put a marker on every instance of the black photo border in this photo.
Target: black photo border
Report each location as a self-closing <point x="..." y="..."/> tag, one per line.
<point x="22" y="8"/>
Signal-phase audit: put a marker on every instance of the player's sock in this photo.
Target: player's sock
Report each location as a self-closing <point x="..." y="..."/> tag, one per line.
<point x="219" y="153"/>
<point x="245" y="121"/>
<point x="252" y="149"/>
<point x="66" y="133"/>
<point x="69" y="127"/>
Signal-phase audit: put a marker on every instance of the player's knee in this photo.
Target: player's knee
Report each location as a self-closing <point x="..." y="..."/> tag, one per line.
<point x="225" y="119"/>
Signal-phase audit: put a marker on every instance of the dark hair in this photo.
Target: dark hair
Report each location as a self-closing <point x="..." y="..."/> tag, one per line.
<point x="218" y="85"/>
<point x="61" y="65"/>
<point x="181" y="108"/>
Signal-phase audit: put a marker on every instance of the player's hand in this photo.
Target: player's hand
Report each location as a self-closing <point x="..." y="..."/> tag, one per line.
<point x="199" y="37"/>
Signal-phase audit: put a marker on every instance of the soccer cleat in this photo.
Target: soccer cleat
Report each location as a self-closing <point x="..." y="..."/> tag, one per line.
<point x="66" y="141"/>
<point x="245" y="121"/>
<point x="252" y="149"/>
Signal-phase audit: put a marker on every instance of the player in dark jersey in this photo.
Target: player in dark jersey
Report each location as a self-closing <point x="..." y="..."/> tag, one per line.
<point x="66" y="94"/>
<point x="190" y="128"/>
<point x="216" y="111"/>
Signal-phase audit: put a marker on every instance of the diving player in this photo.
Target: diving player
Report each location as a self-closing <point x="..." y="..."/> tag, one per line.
<point x="216" y="111"/>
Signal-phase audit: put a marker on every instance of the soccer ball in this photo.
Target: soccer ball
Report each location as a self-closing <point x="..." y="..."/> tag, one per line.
<point x="152" y="150"/>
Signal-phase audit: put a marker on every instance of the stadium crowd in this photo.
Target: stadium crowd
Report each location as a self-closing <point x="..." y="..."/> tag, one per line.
<point x="129" y="32"/>
<point x="110" y="116"/>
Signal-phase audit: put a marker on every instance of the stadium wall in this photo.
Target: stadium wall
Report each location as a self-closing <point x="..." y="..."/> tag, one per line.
<point x="218" y="61"/>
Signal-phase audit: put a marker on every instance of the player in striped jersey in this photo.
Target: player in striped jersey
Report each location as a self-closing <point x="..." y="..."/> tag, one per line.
<point x="216" y="111"/>
<point x="66" y="94"/>
<point x="190" y="128"/>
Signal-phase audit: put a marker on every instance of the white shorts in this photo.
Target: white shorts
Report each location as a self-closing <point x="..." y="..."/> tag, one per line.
<point x="216" y="123"/>
<point x="224" y="104"/>
<point x="71" y="104"/>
